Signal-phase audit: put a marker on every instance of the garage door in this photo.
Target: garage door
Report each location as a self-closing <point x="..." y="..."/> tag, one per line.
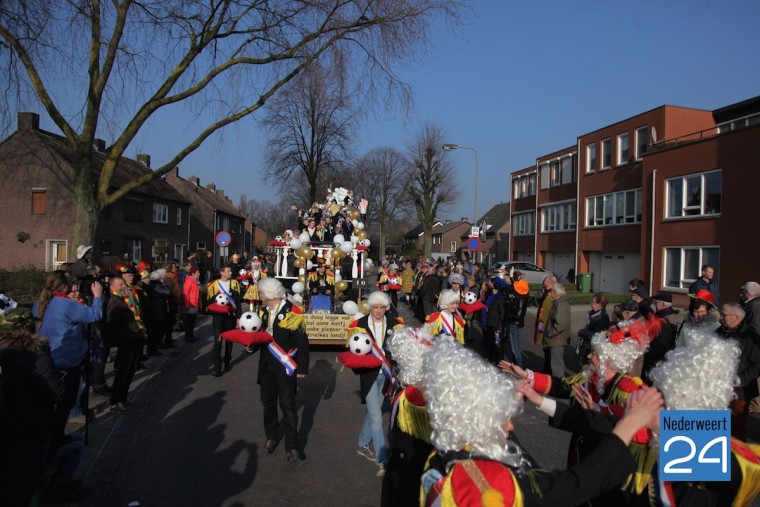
<point x="525" y="257"/>
<point x="560" y="263"/>
<point x="616" y="270"/>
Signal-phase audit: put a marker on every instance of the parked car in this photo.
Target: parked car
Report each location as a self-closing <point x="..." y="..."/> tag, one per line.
<point x="531" y="272"/>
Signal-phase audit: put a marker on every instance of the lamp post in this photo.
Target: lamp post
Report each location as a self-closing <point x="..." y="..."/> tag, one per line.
<point x="448" y="147"/>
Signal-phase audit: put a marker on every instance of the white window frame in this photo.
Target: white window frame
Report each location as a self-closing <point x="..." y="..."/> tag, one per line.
<point x="623" y="153"/>
<point x="553" y="217"/>
<point x="453" y="246"/>
<point x="683" y="281"/>
<point x="182" y="251"/>
<point x="160" y="213"/>
<point x="524" y="224"/>
<point x="179" y="216"/>
<point x="159" y="242"/>
<point x="605" y="152"/>
<point x="642" y="133"/>
<point x="684" y="196"/>
<point x="591" y="166"/>
<point x="134" y="246"/>
<point x="613" y="199"/>
<point x="200" y="245"/>
<point x="543" y="169"/>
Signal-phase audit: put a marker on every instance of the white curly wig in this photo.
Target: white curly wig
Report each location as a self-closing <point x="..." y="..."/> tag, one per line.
<point x="447" y="297"/>
<point x="378" y="298"/>
<point x="271" y="288"/>
<point x="456" y="278"/>
<point x="408" y="347"/>
<point x="469" y="402"/>
<point x="699" y="374"/>
<point x="620" y="348"/>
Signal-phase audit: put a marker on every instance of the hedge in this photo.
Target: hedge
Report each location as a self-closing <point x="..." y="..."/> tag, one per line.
<point x="23" y="284"/>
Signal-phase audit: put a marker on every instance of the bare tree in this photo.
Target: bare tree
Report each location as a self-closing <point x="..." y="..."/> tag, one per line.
<point x="129" y="62"/>
<point x="384" y="181"/>
<point x="433" y="186"/>
<point x="272" y="217"/>
<point x="310" y="123"/>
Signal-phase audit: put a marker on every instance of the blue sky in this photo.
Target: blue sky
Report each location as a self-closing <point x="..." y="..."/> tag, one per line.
<point x="523" y="79"/>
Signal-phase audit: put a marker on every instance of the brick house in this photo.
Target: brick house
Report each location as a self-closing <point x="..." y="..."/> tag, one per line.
<point x="212" y="212"/>
<point x="447" y="237"/>
<point x="37" y="228"/>
<point x="494" y="235"/>
<point x="416" y="237"/>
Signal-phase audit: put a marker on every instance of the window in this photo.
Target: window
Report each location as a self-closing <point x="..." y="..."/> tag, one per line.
<point x="694" y="195"/>
<point x="622" y="149"/>
<point x="179" y="252"/>
<point x="179" y="217"/>
<point x="559" y="217"/>
<point x="160" y="250"/>
<point x="201" y="245"/>
<point x="739" y="123"/>
<point x="606" y="153"/>
<point x="555" y="173"/>
<point x="567" y="170"/>
<point x="544" y="168"/>
<point x="559" y="172"/>
<point x="237" y="228"/>
<point x="453" y="246"/>
<point x="134" y="248"/>
<point x="160" y="213"/>
<point x="39" y="201"/>
<point x="133" y="210"/>
<point x="591" y="158"/>
<point x="641" y="142"/>
<point x="619" y="208"/>
<point x="524" y="224"/>
<point x="683" y="264"/>
<point x="524" y="186"/>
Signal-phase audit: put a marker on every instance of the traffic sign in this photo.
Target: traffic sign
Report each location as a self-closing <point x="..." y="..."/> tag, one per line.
<point x="223" y="238"/>
<point x="473" y="244"/>
<point x="475" y="232"/>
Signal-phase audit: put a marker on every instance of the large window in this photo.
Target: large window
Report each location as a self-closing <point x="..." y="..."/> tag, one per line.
<point x="591" y="158"/>
<point x="134" y="248"/>
<point x="622" y="148"/>
<point x="544" y="170"/>
<point x="606" y="153"/>
<point x="641" y="142"/>
<point x="524" y="185"/>
<point x="558" y="172"/>
<point x="683" y="264"/>
<point x="160" y="250"/>
<point x="559" y="217"/>
<point x="618" y="208"/>
<point x="524" y="224"/>
<point x="453" y="247"/>
<point x="694" y="195"/>
<point x="160" y="213"/>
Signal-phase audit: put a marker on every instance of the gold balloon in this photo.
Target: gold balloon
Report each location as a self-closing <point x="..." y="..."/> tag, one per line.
<point x="299" y="262"/>
<point x="364" y="306"/>
<point x="335" y="253"/>
<point x="342" y="285"/>
<point x="354" y="214"/>
<point x="302" y="279"/>
<point x="361" y="234"/>
<point x="341" y="254"/>
<point x="301" y="251"/>
<point x="309" y="253"/>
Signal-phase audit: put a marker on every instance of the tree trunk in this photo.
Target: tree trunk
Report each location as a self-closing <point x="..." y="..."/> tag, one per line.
<point x="428" y="240"/>
<point x="382" y="240"/>
<point x="86" y="208"/>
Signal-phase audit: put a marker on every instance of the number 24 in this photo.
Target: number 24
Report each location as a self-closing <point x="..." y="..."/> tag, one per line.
<point x="723" y="460"/>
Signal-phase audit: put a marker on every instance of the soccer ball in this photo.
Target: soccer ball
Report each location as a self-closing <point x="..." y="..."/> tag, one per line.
<point x="250" y="322"/>
<point x="222" y="300"/>
<point x="278" y="238"/>
<point x="470" y="298"/>
<point x="360" y="344"/>
<point x="242" y="272"/>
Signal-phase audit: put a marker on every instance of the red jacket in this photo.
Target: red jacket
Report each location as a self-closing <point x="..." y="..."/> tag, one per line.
<point x="190" y="294"/>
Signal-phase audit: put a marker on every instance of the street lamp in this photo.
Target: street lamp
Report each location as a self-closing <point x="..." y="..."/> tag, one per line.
<point x="448" y="147"/>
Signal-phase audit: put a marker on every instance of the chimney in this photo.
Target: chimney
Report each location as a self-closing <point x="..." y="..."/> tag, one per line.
<point x="100" y="145"/>
<point x="195" y="179"/>
<point x="465" y="219"/>
<point x="447" y="221"/>
<point x="174" y="173"/>
<point x="220" y="192"/>
<point x="211" y="187"/>
<point x="28" y="121"/>
<point x="144" y="159"/>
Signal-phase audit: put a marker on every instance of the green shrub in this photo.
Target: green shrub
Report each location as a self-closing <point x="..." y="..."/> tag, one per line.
<point x="23" y="285"/>
<point x="585" y="298"/>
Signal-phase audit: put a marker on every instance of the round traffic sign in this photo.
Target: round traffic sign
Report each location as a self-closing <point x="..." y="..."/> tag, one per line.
<point x="473" y="244"/>
<point x="223" y="238"/>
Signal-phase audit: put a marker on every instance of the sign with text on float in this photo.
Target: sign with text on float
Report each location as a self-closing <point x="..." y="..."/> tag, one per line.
<point x="328" y="328"/>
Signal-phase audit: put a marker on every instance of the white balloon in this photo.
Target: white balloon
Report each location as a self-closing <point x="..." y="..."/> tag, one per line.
<point x="358" y="316"/>
<point x="360" y="225"/>
<point x="338" y="278"/>
<point x="309" y="265"/>
<point x="295" y="243"/>
<point x="354" y="222"/>
<point x="304" y="237"/>
<point x="354" y="239"/>
<point x="367" y="242"/>
<point x="347" y="246"/>
<point x="298" y="287"/>
<point x="338" y="239"/>
<point x="350" y="307"/>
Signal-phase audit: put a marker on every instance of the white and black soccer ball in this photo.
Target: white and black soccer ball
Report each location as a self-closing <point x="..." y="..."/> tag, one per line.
<point x="250" y="322"/>
<point x="278" y="238"/>
<point x="222" y="300"/>
<point x="243" y="272"/>
<point x="360" y="344"/>
<point x="470" y="298"/>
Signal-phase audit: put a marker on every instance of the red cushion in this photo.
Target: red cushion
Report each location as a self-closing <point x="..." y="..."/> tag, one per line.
<point x="221" y="309"/>
<point x="355" y="361"/>
<point x="246" y="337"/>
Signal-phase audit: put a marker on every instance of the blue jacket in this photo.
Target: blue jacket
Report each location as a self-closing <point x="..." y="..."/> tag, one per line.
<point x="63" y="326"/>
<point x="711" y="286"/>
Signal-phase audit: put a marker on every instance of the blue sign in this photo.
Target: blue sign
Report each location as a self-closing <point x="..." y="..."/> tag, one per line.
<point x="473" y="244"/>
<point x="223" y="238"/>
<point x="695" y="445"/>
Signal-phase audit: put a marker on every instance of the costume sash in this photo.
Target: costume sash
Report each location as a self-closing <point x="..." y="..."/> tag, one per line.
<point x="387" y="371"/>
<point x="285" y="358"/>
<point x="447" y="327"/>
<point x="229" y="296"/>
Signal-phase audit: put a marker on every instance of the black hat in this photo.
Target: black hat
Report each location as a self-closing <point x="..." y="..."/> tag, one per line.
<point x="641" y="292"/>
<point x="629" y="305"/>
<point x="667" y="297"/>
